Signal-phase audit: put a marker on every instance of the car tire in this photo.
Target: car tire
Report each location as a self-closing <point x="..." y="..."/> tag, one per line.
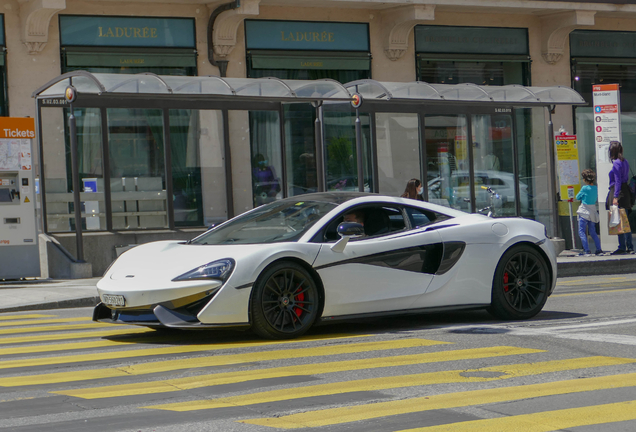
<point x="521" y="284"/>
<point x="285" y="301"/>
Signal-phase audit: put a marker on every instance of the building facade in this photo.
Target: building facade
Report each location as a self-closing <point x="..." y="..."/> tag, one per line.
<point x="538" y="43"/>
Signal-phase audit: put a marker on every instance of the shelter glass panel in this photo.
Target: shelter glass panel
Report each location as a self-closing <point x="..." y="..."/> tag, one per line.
<point x="300" y="149"/>
<point x="533" y="162"/>
<point x="266" y="156"/>
<point x="448" y="161"/>
<point x="137" y="168"/>
<point x="58" y="177"/>
<point x="398" y="149"/>
<point x="198" y="167"/>
<point x="494" y="165"/>
<point x="341" y="158"/>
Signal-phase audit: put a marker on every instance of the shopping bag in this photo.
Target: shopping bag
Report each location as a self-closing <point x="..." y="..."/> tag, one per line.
<point x="623" y="225"/>
<point x="614" y="216"/>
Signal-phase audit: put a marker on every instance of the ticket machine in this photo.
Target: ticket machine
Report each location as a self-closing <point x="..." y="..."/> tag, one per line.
<point x="19" y="253"/>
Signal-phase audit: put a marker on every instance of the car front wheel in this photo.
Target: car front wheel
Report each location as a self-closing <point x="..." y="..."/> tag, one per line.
<point x="284" y="302"/>
<point x="521" y="284"/>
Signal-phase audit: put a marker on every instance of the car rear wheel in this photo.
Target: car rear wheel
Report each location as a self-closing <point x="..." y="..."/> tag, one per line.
<point x="284" y="302"/>
<point x="521" y="284"/>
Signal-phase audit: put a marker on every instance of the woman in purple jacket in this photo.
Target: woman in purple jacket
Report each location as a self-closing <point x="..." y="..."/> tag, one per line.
<point x="619" y="193"/>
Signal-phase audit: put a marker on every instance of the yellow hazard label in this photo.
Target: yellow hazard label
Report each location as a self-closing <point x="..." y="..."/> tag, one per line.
<point x="26" y="199"/>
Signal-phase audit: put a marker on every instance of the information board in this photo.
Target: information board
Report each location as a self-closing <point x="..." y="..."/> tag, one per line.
<point x="607" y="119"/>
<point x="568" y="164"/>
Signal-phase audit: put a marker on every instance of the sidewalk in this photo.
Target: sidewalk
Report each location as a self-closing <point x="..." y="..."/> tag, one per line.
<point x="41" y="294"/>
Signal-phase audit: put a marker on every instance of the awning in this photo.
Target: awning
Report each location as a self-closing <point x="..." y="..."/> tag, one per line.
<point x="263" y="89"/>
<point x="510" y="95"/>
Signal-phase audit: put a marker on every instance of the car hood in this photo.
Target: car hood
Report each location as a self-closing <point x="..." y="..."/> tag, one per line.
<point x="166" y="260"/>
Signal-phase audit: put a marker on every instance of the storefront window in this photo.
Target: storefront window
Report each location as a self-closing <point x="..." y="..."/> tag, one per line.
<point x="459" y="71"/>
<point x="448" y="161"/>
<point x="137" y="170"/>
<point x="398" y="148"/>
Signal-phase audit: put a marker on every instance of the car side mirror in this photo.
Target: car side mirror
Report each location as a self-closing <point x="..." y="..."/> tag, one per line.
<point x="350" y="229"/>
<point x="346" y="231"/>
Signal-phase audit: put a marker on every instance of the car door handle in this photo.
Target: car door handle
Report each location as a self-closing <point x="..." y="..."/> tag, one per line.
<point x="439" y="227"/>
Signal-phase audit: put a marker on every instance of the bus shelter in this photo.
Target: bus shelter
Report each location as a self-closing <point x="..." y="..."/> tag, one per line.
<point x="148" y="152"/>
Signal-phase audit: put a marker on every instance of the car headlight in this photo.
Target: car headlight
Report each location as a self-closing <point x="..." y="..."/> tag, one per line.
<point x="218" y="270"/>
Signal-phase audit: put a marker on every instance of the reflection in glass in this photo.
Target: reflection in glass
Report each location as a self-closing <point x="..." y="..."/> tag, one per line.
<point x="398" y="147"/>
<point x="266" y="156"/>
<point x="494" y="165"/>
<point x="457" y="71"/>
<point x="448" y="178"/>
<point x="137" y="171"/>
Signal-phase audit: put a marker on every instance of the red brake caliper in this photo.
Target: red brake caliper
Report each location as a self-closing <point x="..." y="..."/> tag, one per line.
<point x="505" y="278"/>
<point x="299" y="299"/>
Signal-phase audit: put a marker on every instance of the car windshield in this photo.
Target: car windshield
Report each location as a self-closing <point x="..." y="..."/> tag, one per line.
<point x="279" y="221"/>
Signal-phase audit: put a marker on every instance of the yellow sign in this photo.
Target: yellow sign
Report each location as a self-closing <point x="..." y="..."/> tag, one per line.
<point x="567" y="153"/>
<point x="27" y="200"/>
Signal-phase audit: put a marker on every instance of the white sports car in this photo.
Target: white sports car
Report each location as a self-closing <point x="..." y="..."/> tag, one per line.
<point x="292" y="263"/>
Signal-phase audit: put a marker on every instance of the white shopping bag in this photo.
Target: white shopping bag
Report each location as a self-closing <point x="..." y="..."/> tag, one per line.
<point x="615" y="217"/>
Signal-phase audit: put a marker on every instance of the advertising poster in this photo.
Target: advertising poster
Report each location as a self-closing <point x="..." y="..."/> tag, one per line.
<point x="567" y="164"/>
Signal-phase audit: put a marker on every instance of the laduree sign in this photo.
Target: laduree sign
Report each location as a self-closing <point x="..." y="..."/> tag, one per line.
<point x="76" y="30"/>
<point x="305" y="35"/>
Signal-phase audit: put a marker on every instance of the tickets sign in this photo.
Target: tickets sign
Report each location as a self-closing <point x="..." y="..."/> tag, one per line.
<point x="568" y="164"/>
<point x="607" y="118"/>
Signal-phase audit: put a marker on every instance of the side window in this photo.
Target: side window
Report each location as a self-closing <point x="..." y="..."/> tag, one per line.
<point x="420" y="217"/>
<point x="377" y="221"/>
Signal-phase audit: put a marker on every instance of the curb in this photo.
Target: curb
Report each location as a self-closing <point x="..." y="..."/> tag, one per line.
<point x="62" y="304"/>
<point x="596" y="268"/>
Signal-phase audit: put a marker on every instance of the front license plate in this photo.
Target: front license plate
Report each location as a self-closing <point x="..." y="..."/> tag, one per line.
<point x="113" y="300"/>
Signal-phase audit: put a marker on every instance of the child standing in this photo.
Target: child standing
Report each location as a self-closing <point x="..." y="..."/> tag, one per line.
<point x="587" y="214"/>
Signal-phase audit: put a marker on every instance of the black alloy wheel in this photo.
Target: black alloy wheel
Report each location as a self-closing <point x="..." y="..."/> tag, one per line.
<point x="521" y="284"/>
<point x="285" y="302"/>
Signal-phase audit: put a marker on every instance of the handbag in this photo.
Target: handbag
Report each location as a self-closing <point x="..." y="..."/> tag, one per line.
<point x="623" y="226"/>
<point x="614" y="216"/>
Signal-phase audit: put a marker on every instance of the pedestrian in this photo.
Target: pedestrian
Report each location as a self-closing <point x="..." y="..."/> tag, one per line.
<point x="619" y="194"/>
<point x="413" y="190"/>
<point x="587" y="214"/>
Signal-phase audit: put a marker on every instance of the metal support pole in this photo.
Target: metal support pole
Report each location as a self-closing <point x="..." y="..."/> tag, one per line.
<point x="552" y="176"/>
<point x="76" y="185"/>
<point x="320" y="150"/>
<point x="359" y="152"/>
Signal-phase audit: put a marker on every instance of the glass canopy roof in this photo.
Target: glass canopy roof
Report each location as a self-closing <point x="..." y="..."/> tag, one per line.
<point x="324" y="89"/>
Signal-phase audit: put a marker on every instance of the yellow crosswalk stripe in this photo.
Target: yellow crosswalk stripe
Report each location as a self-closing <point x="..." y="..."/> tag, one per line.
<point x="593" y="292"/>
<point x="76" y="335"/>
<point x="189" y="383"/>
<point x="329" y="417"/>
<point x="544" y="421"/>
<point x="92" y="325"/>
<point x="44" y="321"/>
<point x="218" y="360"/>
<point x="376" y="384"/>
<point x="26" y="316"/>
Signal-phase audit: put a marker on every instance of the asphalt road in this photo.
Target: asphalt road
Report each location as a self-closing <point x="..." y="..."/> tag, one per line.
<point x="571" y="368"/>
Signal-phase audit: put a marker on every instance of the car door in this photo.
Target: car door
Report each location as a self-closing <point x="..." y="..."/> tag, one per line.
<point x="378" y="272"/>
